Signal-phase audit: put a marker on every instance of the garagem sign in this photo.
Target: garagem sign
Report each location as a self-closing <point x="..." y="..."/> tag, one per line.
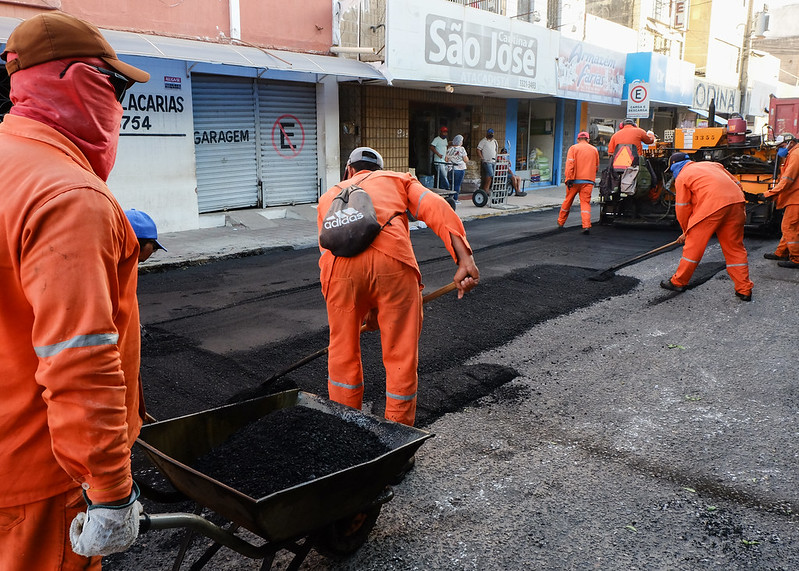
<point x="456" y="43"/>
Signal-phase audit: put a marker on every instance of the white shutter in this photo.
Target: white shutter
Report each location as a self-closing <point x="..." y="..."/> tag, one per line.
<point x="225" y="138"/>
<point x="288" y="143"/>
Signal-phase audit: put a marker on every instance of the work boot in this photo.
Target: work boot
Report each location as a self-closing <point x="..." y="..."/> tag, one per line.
<point x="744" y="296"/>
<point x="770" y="256"/>
<point x="586" y="230"/>
<point x="788" y="264"/>
<point x="561" y="227"/>
<point x="666" y="284"/>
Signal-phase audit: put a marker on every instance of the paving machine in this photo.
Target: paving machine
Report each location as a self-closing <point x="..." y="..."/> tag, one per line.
<point x="750" y="158"/>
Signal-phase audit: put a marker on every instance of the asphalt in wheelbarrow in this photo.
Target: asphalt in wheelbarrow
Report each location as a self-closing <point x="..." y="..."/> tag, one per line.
<point x="296" y="444"/>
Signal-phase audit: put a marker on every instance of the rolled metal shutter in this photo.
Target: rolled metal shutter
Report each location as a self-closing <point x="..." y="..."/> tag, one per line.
<point x="225" y="138"/>
<point x="289" y="163"/>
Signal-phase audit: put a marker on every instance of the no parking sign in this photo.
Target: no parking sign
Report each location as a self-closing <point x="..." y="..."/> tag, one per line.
<point x="638" y="100"/>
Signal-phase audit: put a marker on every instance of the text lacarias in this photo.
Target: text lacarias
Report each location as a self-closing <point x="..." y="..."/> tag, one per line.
<point x="459" y="44"/>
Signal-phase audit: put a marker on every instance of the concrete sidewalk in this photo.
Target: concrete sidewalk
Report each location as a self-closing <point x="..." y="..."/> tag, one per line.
<point x="254" y="231"/>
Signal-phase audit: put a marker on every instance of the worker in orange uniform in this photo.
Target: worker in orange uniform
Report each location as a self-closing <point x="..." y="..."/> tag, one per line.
<point x="787" y="196"/>
<point x="630" y="134"/>
<point x="382" y="285"/>
<point x="709" y="200"/>
<point x="69" y="329"/>
<point x="582" y="163"/>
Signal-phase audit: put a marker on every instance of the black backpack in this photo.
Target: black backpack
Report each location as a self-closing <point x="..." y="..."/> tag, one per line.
<point x="350" y="224"/>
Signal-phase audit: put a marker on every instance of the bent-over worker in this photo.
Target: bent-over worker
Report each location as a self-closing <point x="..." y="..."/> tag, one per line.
<point x="382" y="285"/>
<point x="709" y="201"/>
<point x="69" y="329"/>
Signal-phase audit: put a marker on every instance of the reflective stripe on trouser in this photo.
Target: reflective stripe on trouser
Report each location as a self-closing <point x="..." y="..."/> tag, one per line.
<point x="374" y="280"/>
<point x="789" y="241"/>
<point x="36" y="535"/>
<point x="728" y="226"/>
<point x="584" y="190"/>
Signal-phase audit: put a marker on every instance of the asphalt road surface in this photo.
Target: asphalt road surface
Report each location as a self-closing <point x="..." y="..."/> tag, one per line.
<point x="578" y="424"/>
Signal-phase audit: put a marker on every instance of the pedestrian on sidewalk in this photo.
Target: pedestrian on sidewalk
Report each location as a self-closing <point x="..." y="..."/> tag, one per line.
<point x="438" y="147"/>
<point x="382" y="286"/>
<point x="709" y="200"/>
<point x="69" y="329"/>
<point x="487" y="150"/>
<point x="457" y="157"/>
<point x="582" y="164"/>
<point x="146" y="232"/>
<point x="786" y="193"/>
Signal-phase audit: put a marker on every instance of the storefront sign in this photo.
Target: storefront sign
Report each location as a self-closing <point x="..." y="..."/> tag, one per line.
<point x="725" y="98"/>
<point x="671" y="81"/>
<point x="590" y="73"/>
<point x="679" y="14"/>
<point x="452" y="44"/>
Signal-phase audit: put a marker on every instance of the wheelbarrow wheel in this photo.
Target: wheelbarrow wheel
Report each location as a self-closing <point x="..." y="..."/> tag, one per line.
<point x="345" y="536"/>
<point x="480" y="198"/>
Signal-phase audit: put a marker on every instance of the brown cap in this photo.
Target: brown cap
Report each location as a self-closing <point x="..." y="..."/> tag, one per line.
<point x="56" y="35"/>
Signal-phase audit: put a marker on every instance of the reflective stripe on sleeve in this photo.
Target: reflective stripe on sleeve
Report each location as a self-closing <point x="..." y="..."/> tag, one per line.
<point x="77" y="341"/>
<point x="419" y="204"/>
<point x="681" y="203"/>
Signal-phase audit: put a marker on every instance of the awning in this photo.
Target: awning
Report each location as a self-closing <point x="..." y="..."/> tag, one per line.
<point x="720" y="120"/>
<point x="134" y="44"/>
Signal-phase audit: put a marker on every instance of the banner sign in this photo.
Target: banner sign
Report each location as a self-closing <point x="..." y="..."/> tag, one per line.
<point x="590" y="73"/>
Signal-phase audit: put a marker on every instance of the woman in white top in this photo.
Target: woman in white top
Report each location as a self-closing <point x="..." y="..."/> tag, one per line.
<point x="456" y="156"/>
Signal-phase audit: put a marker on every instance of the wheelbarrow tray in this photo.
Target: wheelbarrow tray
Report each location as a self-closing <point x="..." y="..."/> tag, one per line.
<point x="294" y="512"/>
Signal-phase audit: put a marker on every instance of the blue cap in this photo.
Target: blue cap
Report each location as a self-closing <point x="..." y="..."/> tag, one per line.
<point x="144" y="227"/>
<point x="490" y="131"/>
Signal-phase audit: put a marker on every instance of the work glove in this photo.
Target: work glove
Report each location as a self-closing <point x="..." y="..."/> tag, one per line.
<point x="760" y="197"/>
<point x="651" y="134"/>
<point x="569" y="183"/>
<point x="105" y="529"/>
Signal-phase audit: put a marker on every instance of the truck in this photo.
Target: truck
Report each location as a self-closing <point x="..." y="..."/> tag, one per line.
<point x="750" y="157"/>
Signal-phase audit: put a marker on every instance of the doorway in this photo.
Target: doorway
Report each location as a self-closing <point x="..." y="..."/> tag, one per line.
<point x="425" y="119"/>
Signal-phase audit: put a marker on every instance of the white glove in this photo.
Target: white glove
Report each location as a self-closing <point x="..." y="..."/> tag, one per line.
<point x="651" y="134"/>
<point x="105" y="529"/>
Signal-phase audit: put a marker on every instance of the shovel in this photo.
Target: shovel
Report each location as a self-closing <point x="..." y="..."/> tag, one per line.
<point x="605" y="275"/>
<point x="429" y="297"/>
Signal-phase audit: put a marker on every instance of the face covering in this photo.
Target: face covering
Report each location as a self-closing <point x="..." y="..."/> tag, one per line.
<point x="81" y="106"/>
<point x="677" y="167"/>
<point x="782" y="152"/>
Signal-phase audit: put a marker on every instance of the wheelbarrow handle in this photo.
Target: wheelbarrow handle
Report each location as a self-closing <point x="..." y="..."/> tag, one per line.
<point x="196" y="523"/>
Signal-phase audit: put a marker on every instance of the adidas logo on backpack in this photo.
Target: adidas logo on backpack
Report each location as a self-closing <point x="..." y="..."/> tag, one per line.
<point x="342" y="217"/>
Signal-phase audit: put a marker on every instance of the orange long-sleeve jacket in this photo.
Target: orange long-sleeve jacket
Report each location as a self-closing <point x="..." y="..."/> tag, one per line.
<point x="702" y="189"/>
<point x="629" y="135"/>
<point x="582" y="162"/>
<point x="787" y="189"/>
<point x="392" y="193"/>
<point x="69" y="325"/>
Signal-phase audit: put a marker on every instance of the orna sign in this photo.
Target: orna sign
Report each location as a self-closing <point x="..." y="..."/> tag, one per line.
<point x="455" y="43"/>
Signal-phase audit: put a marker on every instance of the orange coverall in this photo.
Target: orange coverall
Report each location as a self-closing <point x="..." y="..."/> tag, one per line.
<point x="787" y="193"/>
<point x="629" y="135"/>
<point x="710" y="201"/>
<point x="386" y="276"/>
<point x="582" y="163"/>
<point x="69" y="345"/>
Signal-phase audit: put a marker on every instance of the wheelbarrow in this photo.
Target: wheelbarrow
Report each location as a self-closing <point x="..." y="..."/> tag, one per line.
<point x="332" y="514"/>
